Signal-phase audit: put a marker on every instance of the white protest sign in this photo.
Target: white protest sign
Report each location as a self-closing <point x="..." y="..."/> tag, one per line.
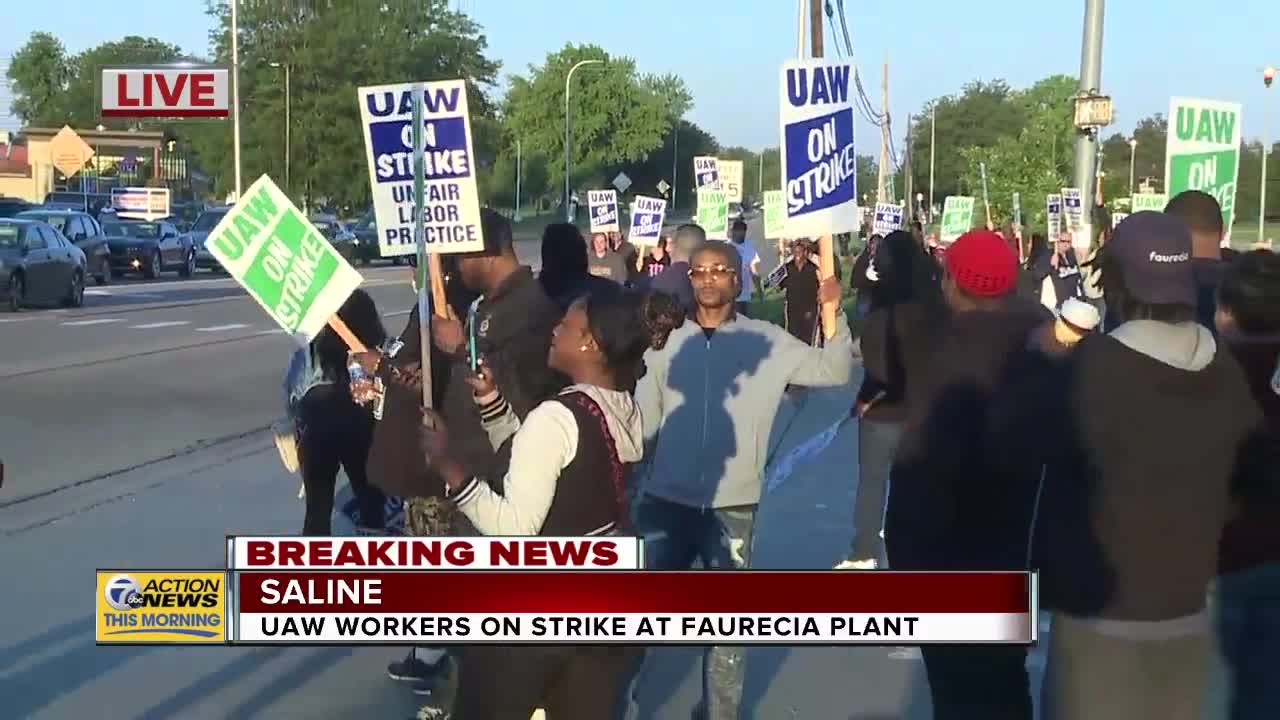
<point x="1117" y="218"/>
<point x="888" y="218"/>
<point x="604" y="210"/>
<point x="1072" y="209"/>
<point x="818" y="163"/>
<point x="706" y="170"/>
<point x="284" y="263"/>
<point x="731" y="179"/>
<point x="1053" y="215"/>
<point x="646" y="220"/>
<point x="452" y="204"/>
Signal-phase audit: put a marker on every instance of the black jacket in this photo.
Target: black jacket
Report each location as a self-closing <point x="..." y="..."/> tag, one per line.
<point x="1137" y="459"/>
<point x="947" y="510"/>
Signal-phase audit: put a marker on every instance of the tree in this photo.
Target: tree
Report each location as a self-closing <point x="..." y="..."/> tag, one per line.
<point x="617" y="116"/>
<point x="331" y="50"/>
<point x="39" y="73"/>
<point x="979" y="116"/>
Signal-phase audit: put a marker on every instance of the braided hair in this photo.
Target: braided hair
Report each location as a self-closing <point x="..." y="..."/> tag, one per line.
<point x="627" y="323"/>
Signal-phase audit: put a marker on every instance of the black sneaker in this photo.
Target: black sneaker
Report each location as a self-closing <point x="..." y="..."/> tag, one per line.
<point x="412" y="669"/>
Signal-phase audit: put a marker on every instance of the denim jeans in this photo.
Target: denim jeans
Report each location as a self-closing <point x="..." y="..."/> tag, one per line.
<point x="877" y="443"/>
<point x="1247" y="606"/>
<point x="677" y="535"/>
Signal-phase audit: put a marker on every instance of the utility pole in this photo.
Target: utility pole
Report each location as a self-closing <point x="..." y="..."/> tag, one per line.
<point x="933" y="147"/>
<point x="518" y="173"/>
<point x="826" y="250"/>
<point x="884" y="131"/>
<point x="1090" y="83"/>
<point x="906" y="180"/>
<point x="235" y="92"/>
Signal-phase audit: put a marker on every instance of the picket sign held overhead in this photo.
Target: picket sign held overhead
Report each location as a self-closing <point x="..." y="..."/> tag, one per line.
<point x="819" y="173"/>
<point x="268" y="246"/>
<point x="775" y="215"/>
<point x="451" y="203"/>
<point x="1053" y="215"/>
<point x="1148" y="201"/>
<point x="1117" y="218"/>
<point x="706" y="172"/>
<point x="986" y="199"/>
<point x="1073" y="216"/>
<point x="957" y="217"/>
<point x="1203" y="152"/>
<point x="646" y="220"/>
<point x="731" y="179"/>
<point x="603" y="206"/>
<point x="713" y="213"/>
<point x="888" y="218"/>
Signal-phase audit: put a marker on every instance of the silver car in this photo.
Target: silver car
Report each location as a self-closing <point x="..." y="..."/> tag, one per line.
<point x="199" y="232"/>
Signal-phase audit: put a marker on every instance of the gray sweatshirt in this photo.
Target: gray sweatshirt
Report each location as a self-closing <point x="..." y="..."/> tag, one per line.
<point x="708" y="405"/>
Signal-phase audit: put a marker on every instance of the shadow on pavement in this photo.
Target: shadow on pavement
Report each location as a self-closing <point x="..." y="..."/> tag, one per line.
<point x="221" y="678"/>
<point x="293" y="679"/>
<point x="13" y="654"/>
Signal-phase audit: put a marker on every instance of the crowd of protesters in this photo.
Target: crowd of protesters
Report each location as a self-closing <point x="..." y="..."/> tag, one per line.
<point x="1111" y="423"/>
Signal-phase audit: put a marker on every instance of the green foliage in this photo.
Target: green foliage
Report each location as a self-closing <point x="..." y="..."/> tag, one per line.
<point x="617" y="116"/>
<point x="39" y="73"/>
<point x="979" y="116"/>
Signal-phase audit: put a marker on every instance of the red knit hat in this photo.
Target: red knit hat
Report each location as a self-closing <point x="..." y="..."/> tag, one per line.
<point x="982" y="264"/>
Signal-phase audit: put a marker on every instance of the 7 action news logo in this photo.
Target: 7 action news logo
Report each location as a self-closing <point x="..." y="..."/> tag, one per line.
<point x="161" y="607"/>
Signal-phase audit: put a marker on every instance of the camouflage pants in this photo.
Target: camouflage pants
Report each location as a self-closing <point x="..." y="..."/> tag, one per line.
<point x="430" y="516"/>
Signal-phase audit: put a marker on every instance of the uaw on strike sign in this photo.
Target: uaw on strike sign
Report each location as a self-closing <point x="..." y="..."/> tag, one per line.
<point x="604" y="210"/>
<point x="451" y="208"/>
<point x="818" y="160"/>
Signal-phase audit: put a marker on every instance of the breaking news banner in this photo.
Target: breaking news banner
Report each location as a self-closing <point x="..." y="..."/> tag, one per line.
<point x="707" y="171"/>
<point x="484" y="553"/>
<point x="646" y="220"/>
<point x="604" y="210"/>
<point x="451" y="206"/>
<point x="168" y="607"/>
<point x="752" y="607"/>
<point x="818" y="162"/>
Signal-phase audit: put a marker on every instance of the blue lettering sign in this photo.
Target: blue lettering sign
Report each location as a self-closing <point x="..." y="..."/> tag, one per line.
<point x="444" y="145"/>
<point x="820" y="163"/>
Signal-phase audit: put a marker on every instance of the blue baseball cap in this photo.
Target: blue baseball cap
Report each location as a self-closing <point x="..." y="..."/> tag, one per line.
<point x="1153" y="251"/>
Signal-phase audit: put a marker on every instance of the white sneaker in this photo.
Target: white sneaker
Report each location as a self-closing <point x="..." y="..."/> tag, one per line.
<point x="868" y="564"/>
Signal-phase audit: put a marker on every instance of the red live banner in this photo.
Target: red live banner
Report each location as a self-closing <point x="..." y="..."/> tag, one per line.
<point x="634" y="607"/>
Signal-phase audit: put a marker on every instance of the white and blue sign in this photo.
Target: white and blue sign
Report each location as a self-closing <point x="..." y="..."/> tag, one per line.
<point x="706" y="170"/>
<point x="604" y="210"/>
<point x="819" y="167"/>
<point x="451" y="203"/>
<point x="888" y="218"/>
<point x="1073" y="208"/>
<point x="646" y="220"/>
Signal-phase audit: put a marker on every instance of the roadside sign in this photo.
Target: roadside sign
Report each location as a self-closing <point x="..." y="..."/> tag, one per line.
<point x="707" y="171"/>
<point x="68" y="151"/>
<point x="818" y="160"/>
<point x="713" y="213"/>
<point x="129" y="163"/>
<point x="663" y="187"/>
<point x="277" y="255"/>
<point x="1053" y="215"/>
<point x="140" y="203"/>
<point x="775" y="215"/>
<point x="622" y="182"/>
<point x="731" y="179"/>
<point x="604" y="210"/>
<point x="957" y="217"/>
<point x="1148" y="201"/>
<point x="888" y="218"/>
<point x="451" y="201"/>
<point x="1203" y="151"/>
<point x="646" y="220"/>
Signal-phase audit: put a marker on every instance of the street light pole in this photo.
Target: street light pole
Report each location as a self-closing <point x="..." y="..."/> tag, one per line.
<point x="288" y="102"/>
<point x="1090" y="83"/>
<point x="235" y="92"/>
<point x="1267" y="76"/>
<point x="568" y="211"/>
<point x="933" y="145"/>
<point x="1133" y="152"/>
<point x="517" y="217"/>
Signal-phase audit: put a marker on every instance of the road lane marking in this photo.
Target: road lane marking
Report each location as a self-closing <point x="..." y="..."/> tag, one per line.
<point x="270" y="332"/>
<point x="163" y="324"/>
<point x="100" y="321"/>
<point x="220" y="328"/>
<point x="397" y="313"/>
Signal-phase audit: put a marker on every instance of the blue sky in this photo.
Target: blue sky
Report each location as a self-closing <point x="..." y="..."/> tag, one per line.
<point x="728" y="51"/>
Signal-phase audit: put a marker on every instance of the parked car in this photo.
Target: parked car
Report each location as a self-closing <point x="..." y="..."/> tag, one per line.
<point x="12" y="206"/>
<point x="199" y="232"/>
<point x="149" y="248"/>
<point x="84" y="232"/>
<point x="84" y="202"/>
<point x="366" y="241"/>
<point x="38" y="265"/>
<point x="338" y="235"/>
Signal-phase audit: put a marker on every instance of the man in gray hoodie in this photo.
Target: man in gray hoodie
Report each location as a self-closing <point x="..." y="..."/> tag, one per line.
<point x="708" y="401"/>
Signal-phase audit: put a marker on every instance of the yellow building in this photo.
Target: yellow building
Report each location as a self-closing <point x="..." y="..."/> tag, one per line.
<point x="36" y="178"/>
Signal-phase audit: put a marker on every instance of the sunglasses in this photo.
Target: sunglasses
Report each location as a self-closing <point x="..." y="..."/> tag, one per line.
<point x="715" y="272"/>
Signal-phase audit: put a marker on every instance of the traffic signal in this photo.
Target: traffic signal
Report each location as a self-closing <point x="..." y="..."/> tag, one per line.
<point x="1268" y="75"/>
